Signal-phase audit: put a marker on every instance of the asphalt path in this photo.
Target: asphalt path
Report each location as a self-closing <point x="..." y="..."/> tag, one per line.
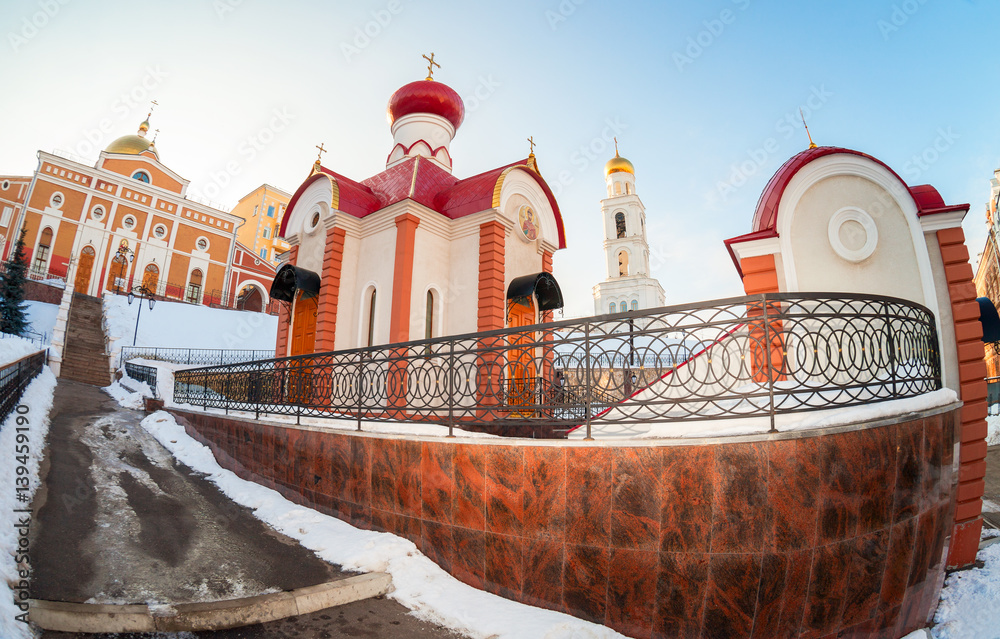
<point x="119" y="520"/>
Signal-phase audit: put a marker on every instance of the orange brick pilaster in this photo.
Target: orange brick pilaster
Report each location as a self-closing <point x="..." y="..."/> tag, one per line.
<point x="972" y="384"/>
<point x="329" y="292"/>
<point x="399" y="319"/>
<point x="284" y="316"/>
<point x="492" y="312"/>
<point x="760" y="275"/>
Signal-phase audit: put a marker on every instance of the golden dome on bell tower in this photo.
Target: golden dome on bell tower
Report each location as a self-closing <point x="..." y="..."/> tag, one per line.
<point x="618" y="164"/>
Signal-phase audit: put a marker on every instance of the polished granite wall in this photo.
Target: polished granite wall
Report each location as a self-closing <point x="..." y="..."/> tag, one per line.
<point x="841" y="533"/>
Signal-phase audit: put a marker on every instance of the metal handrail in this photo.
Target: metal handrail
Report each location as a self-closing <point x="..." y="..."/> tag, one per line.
<point x="14" y="378"/>
<point x="192" y="356"/>
<point x="141" y="373"/>
<point x="753" y="356"/>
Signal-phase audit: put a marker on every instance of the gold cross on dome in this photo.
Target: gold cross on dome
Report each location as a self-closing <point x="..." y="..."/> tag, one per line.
<point x="531" y="141"/>
<point x="319" y="156"/>
<point x="430" y="66"/>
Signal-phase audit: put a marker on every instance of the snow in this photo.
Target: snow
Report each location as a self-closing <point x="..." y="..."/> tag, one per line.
<point x="37" y="398"/>
<point x="419" y="584"/>
<point x="968" y="607"/>
<point x="13" y="348"/>
<point x="179" y="325"/>
<point x="992" y="430"/>
<point x="42" y="318"/>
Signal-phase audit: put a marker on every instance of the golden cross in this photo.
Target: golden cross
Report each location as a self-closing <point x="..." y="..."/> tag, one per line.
<point x="430" y="66"/>
<point x="616" y="146"/>
<point x="152" y="104"/>
<point x="531" y="141"/>
<point x="319" y="156"/>
<point x="812" y="145"/>
<point x="155" y="133"/>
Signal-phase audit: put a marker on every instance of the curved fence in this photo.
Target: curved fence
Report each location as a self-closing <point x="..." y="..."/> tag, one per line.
<point x="192" y="356"/>
<point x="741" y="357"/>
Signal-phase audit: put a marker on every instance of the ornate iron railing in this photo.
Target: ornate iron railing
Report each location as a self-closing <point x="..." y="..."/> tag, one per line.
<point x="741" y="357"/>
<point x="141" y="373"/>
<point x="14" y="378"/>
<point x="193" y="356"/>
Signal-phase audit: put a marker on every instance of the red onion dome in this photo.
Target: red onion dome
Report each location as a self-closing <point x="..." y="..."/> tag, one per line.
<point x="427" y="96"/>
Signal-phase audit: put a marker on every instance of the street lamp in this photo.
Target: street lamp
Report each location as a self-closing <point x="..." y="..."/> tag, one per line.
<point x="144" y="293"/>
<point x="123" y="256"/>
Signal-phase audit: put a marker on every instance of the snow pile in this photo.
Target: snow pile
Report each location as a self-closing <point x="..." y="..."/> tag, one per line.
<point x="179" y="325"/>
<point x="13" y="348"/>
<point x="993" y="430"/>
<point x="968" y="608"/>
<point x="420" y="584"/>
<point x="127" y="398"/>
<point x="38" y="400"/>
<point x="42" y="318"/>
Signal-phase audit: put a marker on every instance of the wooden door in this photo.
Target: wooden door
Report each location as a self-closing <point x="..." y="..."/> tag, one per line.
<point x="151" y="277"/>
<point x="520" y="359"/>
<point x="303" y="343"/>
<point x="84" y="269"/>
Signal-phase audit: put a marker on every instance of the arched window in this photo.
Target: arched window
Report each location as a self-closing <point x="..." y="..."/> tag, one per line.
<point x="618" y="188"/>
<point x="142" y="176"/>
<point x="623" y="307"/>
<point x="620" y="224"/>
<point x="628" y="188"/>
<point x="194" y="287"/>
<point x="371" y="319"/>
<point x="622" y="263"/>
<point x="116" y="275"/>
<point x="42" y="252"/>
<point x="429" y="316"/>
<point x="611" y="307"/>
<point x="635" y="305"/>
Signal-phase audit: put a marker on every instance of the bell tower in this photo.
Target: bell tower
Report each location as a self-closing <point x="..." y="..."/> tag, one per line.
<point x="628" y="286"/>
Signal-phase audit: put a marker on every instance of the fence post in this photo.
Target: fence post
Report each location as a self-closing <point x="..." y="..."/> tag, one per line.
<point x="891" y="346"/>
<point x="767" y="361"/>
<point x="451" y="389"/>
<point x="586" y="366"/>
<point x="204" y="392"/>
<point x="361" y="359"/>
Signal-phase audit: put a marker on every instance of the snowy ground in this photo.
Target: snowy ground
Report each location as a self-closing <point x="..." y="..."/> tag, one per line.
<point x="14" y="348"/>
<point x="37" y="400"/>
<point x="179" y="325"/>
<point x="993" y="430"/>
<point x="42" y="318"/>
<point x="419" y="584"/>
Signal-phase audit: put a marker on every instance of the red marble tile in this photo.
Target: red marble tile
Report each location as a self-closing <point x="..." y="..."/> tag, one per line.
<point x="731" y="599"/>
<point x="793" y="602"/>
<point x="864" y="581"/>
<point x="437" y="542"/>
<point x="504" y="494"/>
<point x="287" y="460"/>
<point x="384" y="520"/>
<point x="588" y="496"/>
<point x="909" y="467"/>
<point x="409" y="528"/>
<point x="876" y="478"/>
<point x="635" y="514"/>
<point x="770" y="595"/>
<point x="681" y="587"/>
<point x="361" y="516"/>
<point x="827" y="589"/>
<point x="911" y="614"/>
<point x="687" y="493"/>
<point x="741" y="516"/>
<point x="585" y="582"/>
<point x="437" y="480"/>
<point x="864" y="630"/>
<point x="898" y="560"/>
<point x="339" y="452"/>
<point x="408" y="490"/>
<point x="950" y="442"/>
<point x="544" y="562"/>
<point x="793" y="490"/>
<point x="886" y="623"/>
<point x="359" y="483"/>
<point x="933" y="474"/>
<point x="544" y="492"/>
<point x="469" y="497"/>
<point x="385" y="467"/>
<point x="504" y="566"/>
<point x="631" y="591"/>
<point x="923" y="548"/>
<point x="939" y="549"/>
<point x="842" y="457"/>
<point x="469" y="565"/>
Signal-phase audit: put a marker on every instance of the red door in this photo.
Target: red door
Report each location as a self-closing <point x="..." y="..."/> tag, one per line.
<point x="520" y="358"/>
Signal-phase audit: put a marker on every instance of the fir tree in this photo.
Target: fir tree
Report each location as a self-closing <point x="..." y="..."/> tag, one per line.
<point x="12" y="308"/>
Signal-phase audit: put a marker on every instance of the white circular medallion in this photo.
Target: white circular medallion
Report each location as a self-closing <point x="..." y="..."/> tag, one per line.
<point x="853" y="234"/>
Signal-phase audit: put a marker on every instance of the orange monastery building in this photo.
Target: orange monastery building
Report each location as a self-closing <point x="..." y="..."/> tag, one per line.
<point x="127" y="221"/>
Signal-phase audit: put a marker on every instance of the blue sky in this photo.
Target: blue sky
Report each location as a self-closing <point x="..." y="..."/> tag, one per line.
<point x="703" y="98"/>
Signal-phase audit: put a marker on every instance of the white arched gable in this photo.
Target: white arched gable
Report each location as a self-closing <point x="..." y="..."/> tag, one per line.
<point x="317" y="197"/>
<point x="849" y="165"/>
<point x="518" y="182"/>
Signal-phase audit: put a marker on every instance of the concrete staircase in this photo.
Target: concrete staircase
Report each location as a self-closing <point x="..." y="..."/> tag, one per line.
<point x="84" y="359"/>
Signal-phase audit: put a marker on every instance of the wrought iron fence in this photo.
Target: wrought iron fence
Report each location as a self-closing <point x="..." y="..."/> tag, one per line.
<point x="193" y="356"/>
<point x="14" y="378"/>
<point x="741" y="357"/>
<point x="51" y="277"/>
<point x="141" y="373"/>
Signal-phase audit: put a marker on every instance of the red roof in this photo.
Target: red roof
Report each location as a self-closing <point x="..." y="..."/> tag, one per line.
<point x="765" y="220"/>
<point x="428" y="184"/>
